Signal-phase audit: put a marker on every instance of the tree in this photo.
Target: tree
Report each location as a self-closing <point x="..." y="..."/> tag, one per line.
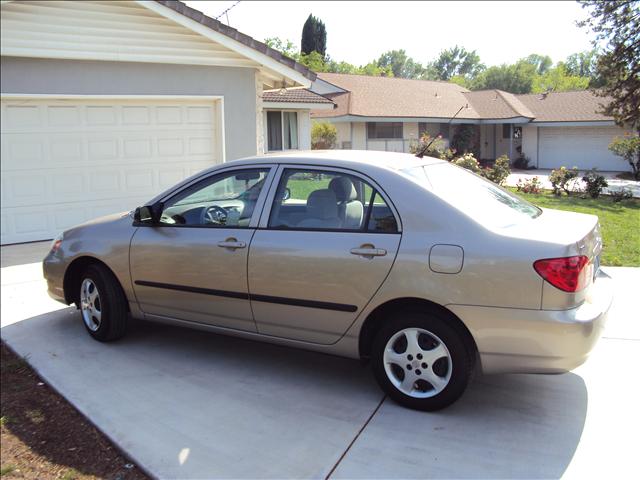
<point x="628" y="147"/>
<point x="401" y="65"/>
<point x="617" y="25"/>
<point x="557" y="79"/>
<point x="515" y="78"/>
<point x="323" y="135"/>
<point x="314" y="37"/>
<point x="456" y="62"/>
<point x="286" y="47"/>
<point x="541" y="62"/>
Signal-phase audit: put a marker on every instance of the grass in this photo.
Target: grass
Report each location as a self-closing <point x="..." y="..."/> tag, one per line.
<point x="619" y="222"/>
<point x="6" y="470"/>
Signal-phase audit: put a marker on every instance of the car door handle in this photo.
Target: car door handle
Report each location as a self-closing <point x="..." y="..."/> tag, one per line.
<point x="232" y="243"/>
<point x="369" y="252"/>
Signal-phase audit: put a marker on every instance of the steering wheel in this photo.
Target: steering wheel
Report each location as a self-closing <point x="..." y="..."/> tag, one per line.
<point x="213" y="214"/>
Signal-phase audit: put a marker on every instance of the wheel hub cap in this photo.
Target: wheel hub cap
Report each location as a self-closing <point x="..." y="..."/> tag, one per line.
<point x="417" y="362"/>
<point x="90" y="304"/>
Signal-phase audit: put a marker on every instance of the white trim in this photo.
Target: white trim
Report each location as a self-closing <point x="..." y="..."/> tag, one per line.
<point x="475" y="121"/>
<point x="64" y="96"/>
<point x="298" y="106"/>
<point x="53" y="96"/>
<point x="600" y="123"/>
<point x="228" y="42"/>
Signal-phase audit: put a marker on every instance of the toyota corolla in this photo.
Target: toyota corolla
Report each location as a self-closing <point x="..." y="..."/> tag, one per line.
<point x="423" y="268"/>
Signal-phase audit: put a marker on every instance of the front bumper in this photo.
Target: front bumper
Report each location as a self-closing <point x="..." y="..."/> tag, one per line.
<point x="53" y="271"/>
<point x="538" y="341"/>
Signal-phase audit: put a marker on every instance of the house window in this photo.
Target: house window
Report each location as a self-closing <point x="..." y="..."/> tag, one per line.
<point x="282" y="131"/>
<point x="506" y="131"/>
<point x="436" y="129"/>
<point x="376" y="130"/>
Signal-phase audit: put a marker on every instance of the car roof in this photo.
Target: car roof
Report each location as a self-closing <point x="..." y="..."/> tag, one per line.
<point x="346" y="158"/>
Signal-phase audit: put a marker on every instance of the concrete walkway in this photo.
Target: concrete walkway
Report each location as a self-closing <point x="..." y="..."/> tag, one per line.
<point x="615" y="183"/>
<point x="187" y="404"/>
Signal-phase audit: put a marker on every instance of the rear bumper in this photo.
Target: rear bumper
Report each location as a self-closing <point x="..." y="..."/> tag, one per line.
<point x="538" y="341"/>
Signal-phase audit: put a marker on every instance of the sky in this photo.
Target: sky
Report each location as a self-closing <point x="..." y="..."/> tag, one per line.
<point x="358" y="32"/>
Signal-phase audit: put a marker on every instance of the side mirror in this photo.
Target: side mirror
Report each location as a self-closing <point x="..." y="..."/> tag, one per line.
<point x="286" y="195"/>
<point x="148" y="214"/>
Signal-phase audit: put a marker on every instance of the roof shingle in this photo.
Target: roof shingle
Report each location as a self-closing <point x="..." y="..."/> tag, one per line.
<point x="580" y="106"/>
<point x="298" y="95"/>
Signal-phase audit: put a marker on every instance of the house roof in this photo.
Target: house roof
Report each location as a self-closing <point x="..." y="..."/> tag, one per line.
<point x="230" y="32"/>
<point x="390" y="97"/>
<point x="579" y="106"/>
<point x="496" y="104"/>
<point x="396" y="97"/>
<point x="297" y="95"/>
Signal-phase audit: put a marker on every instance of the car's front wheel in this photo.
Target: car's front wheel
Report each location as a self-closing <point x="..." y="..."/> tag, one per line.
<point x="103" y="305"/>
<point x="421" y="361"/>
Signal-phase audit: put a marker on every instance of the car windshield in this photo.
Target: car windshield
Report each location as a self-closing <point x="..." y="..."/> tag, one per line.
<point x="479" y="198"/>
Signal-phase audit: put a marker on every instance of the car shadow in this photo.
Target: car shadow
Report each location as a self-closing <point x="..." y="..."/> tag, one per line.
<point x="275" y="403"/>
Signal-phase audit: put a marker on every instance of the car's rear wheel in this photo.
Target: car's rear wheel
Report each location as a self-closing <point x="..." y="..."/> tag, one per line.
<point x="421" y="361"/>
<point x="103" y="305"/>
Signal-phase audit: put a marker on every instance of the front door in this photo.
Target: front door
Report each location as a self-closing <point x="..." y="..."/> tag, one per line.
<point x="192" y="265"/>
<point x="327" y="244"/>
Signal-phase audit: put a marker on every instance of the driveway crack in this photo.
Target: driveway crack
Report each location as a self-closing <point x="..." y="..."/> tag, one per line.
<point x="333" y="469"/>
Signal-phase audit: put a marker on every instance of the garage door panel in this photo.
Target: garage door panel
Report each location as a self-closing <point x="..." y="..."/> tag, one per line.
<point x="582" y="147"/>
<point x="64" y="162"/>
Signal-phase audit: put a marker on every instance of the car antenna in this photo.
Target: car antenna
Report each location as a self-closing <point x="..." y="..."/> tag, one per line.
<point x="424" y="149"/>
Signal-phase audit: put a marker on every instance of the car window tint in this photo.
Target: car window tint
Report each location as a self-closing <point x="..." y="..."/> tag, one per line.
<point x="320" y="200"/>
<point x="225" y="200"/>
<point x="382" y="218"/>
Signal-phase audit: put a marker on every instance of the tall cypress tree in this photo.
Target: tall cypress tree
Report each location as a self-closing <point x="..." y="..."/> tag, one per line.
<point x="314" y="36"/>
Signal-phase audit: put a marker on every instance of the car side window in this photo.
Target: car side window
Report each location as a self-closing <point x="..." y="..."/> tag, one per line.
<point x="326" y="200"/>
<point x="226" y="200"/>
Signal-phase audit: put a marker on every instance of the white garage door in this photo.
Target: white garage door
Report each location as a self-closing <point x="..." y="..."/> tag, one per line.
<point x="582" y="147"/>
<point x="65" y="161"/>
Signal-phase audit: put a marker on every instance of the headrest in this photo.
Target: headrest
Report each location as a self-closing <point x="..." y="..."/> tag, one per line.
<point x="343" y="188"/>
<point x="322" y="204"/>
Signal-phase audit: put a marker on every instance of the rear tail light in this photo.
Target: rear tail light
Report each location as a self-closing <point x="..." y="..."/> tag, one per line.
<point x="569" y="274"/>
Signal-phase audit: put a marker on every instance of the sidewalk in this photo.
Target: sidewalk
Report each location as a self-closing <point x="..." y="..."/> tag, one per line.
<point x="543" y="176"/>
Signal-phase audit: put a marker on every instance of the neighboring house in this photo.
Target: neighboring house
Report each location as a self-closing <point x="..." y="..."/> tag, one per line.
<point x="554" y="129"/>
<point x="105" y="104"/>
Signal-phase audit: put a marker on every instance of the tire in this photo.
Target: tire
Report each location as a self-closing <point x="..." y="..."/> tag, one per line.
<point x="102" y="304"/>
<point x="436" y="363"/>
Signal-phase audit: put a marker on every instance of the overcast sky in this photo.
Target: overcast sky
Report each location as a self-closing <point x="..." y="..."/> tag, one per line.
<point x="359" y="32"/>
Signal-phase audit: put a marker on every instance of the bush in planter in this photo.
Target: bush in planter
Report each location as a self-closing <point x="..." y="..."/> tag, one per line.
<point x="462" y="138"/>
<point x="499" y="172"/>
<point x="530" y="185"/>
<point x="622" y="194"/>
<point x="323" y="136"/>
<point x="562" y="180"/>
<point x="469" y="162"/>
<point x="594" y="183"/>
<point x="436" y="147"/>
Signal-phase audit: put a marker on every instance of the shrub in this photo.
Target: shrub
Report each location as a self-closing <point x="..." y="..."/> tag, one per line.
<point x="622" y="194"/>
<point x="499" y="172"/>
<point x="521" y="163"/>
<point x="461" y="140"/>
<point x="563" y="179"/>
<point x="323" y="135"/>
<point x="530" y="185"/>
<point x="469" y="162"/>
<point x="594" y="183"/>
<point x="628" y="147"/>
<point x="435" y="147"/>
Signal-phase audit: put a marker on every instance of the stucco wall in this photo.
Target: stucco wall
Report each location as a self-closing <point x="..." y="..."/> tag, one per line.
<point x="344" y="133"/>
<point x="74" y="77"/>
<point x="359" y="137"/>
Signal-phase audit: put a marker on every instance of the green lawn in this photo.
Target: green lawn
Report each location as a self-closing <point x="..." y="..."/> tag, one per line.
<point x="620" y="223"/>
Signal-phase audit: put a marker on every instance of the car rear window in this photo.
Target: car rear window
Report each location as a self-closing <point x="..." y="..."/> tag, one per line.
<point x="479" y="198"/>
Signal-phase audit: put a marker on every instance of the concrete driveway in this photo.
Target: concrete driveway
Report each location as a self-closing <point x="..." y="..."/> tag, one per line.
<point x="187" y="404"/>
